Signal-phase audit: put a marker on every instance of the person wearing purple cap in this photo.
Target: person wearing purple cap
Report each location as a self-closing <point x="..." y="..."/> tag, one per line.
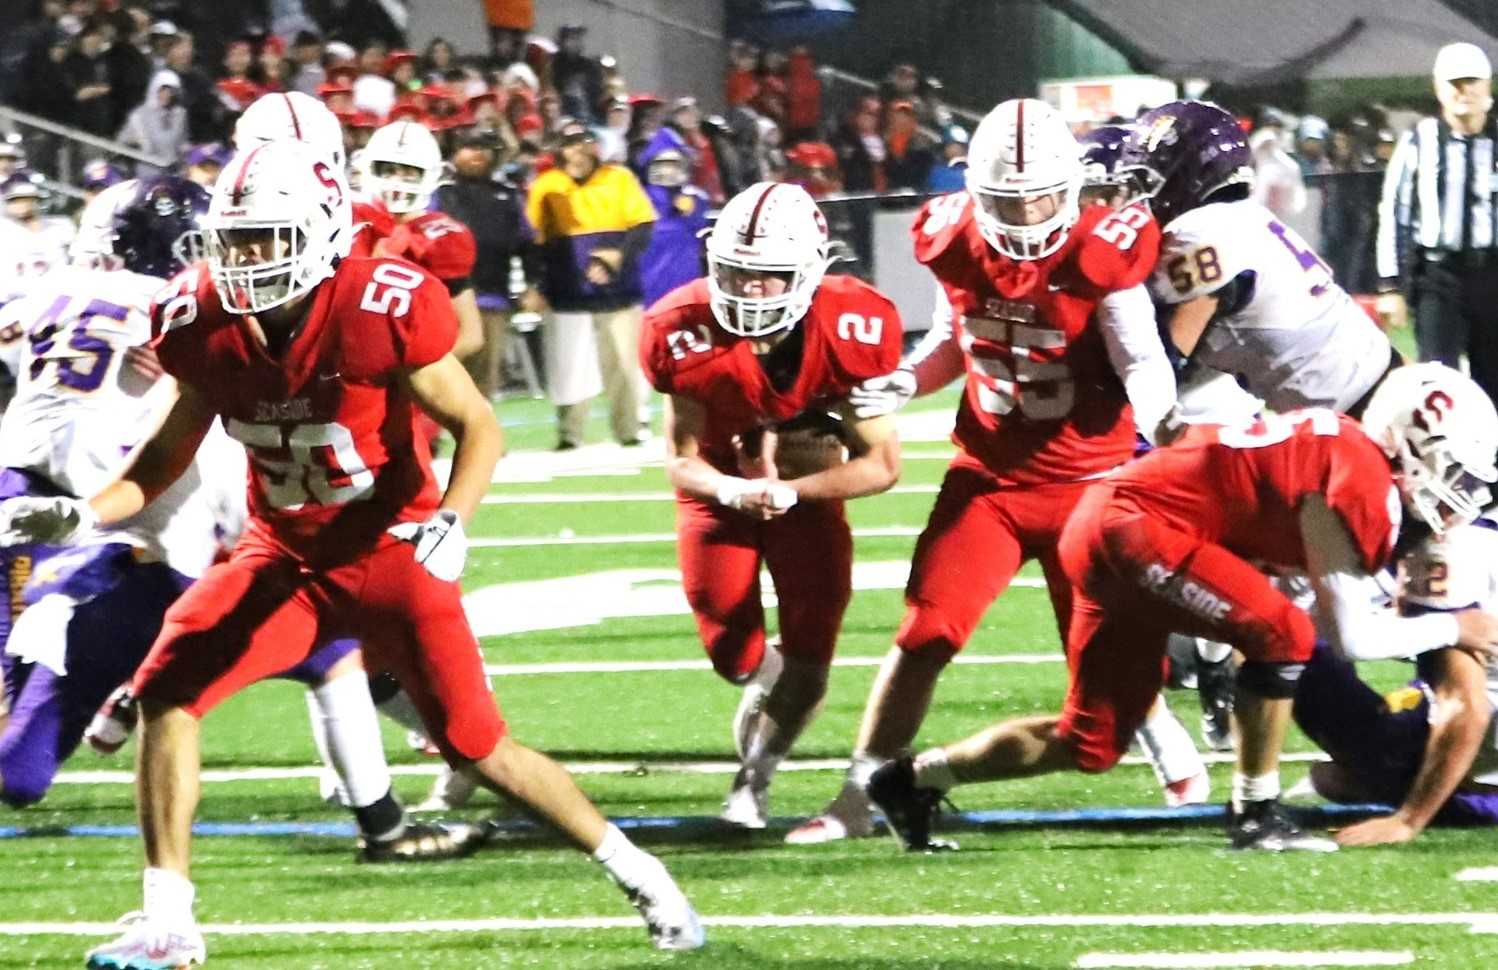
<point x="205" y="161"/>
<point x="98" y="175"/>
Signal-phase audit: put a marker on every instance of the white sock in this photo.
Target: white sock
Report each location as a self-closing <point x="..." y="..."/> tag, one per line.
<point x="932" y="770"/>
<point x="860" y="767"/>
<point x="627" y="864"/>
<point x="348" y="738"/>
<point x="1168" y="746"/>
<point x="1211" y="651"/>
<point x="1254" y="788"/>
<point x="168" y="896"/>
<point x="400" y="710"/>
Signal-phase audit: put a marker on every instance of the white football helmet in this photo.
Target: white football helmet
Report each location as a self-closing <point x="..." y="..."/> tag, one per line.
<point x="295" y="116"/>
<point x="404" y="143"/>
<point x="291" y="204"/>
<point x="93" y="246"/>
<point x="1441" y="432"/>
<point x="769" y="228"/>
<point x="1024" y="150"/>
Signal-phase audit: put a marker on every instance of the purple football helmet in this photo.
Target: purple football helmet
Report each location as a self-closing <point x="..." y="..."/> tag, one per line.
<point x="1102" y="149"/>
<point x="152" y="227"/>
<point x="1188" y="153"/>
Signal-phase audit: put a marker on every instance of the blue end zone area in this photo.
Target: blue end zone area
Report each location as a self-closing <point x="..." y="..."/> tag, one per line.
<point x="1000" y="819"/>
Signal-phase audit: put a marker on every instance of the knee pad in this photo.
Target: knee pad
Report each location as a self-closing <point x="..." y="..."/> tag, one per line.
<point x="1276" y="681"/>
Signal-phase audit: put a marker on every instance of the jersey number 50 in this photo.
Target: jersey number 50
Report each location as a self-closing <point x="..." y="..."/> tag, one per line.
<point x="302" y="463"/>
<point x="395" y="298"/>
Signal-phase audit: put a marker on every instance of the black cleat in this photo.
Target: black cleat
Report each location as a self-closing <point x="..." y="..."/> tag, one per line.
<point x="1215" y="683"/>
<point x="425" y="842"/>
<point x="908" y="810"/>
<point x="1268" y="827"/>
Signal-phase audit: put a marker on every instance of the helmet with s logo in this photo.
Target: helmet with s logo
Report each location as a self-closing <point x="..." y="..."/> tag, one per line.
<point x="1022" y="155"/>
<point x="400" y="145"/>
<point x="766" y="256"/>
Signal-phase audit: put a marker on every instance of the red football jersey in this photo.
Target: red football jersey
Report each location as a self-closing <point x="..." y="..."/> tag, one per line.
<point x="333" y="461"/>
<point x="852" y="332"/>
<point x="435" y="241"/>
<point x="1242" y="487"/>
<point x="1042" y="403"/>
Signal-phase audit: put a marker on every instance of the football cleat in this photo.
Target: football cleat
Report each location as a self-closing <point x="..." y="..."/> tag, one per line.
<point x="1189" y="791"/>
<point x="424" y="842"/>
<point x="1215" y="683"/>
<point x="671" y="920"/>
<point x="908" y="809"/>
<point x="1267" y="826"/>
<point x="112" y="725"/>
<point x="451" y="790"/>
<point x="148" y="944"/>
<point x="756" y="692"/>
<point x="748" y="803"/>
<point x="848" y="817"/>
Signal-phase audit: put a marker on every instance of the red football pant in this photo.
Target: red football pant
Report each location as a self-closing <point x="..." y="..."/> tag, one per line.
<point x="809" y="553"/>
<point x="1137" y="579"/>
<point x="262" y="612"/>
<point x="974" y="542"/>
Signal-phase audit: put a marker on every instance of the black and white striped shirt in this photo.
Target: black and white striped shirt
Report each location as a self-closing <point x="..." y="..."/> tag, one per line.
<point x="1440" y="193"/>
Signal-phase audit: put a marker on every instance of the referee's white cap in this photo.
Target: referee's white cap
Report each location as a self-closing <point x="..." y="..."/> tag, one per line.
<point x="1460" y="60"/>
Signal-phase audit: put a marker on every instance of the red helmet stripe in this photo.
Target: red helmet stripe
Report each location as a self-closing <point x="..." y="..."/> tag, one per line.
<point x="236" y="194"/>
<point x="754" y="216"/>
<point x="296" y="123"/>
<point x="1019" y="137"/>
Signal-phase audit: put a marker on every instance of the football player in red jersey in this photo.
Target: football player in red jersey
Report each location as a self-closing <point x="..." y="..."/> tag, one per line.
<point x="398" y="171"/>
<point x="757" y="361"/>
<point x="1166" y="545"/>
<point x="317" y="363"/>
<point x="1041" y="304"/>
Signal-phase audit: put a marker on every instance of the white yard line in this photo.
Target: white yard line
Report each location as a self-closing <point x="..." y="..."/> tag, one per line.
<point x="1480" y="874"/>
<point x="1250" y="958"/>
<point x="918" y="920"/>
<point x="431" y="769"/>
<point x="651" y="537"/>
<point x="644" y="666"/>
<point x="589" y="498"/>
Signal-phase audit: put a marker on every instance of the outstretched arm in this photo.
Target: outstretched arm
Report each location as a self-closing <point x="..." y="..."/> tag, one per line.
<point x="160" y="461"/>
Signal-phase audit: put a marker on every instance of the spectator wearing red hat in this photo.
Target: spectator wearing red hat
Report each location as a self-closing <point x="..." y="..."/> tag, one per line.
<point x="803" y="114"/>
<point x="647" y="115"/>
<point x="509" y="22"/>
<point x="337" y="95"/>
<point x="401" y="69"/>
<point x="813" y="166"/>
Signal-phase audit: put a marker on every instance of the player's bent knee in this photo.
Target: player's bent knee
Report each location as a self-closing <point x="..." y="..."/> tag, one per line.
<point x="1088" y="755"/>
<point x="735" y="652"/>
<point x="20" y="788"/>
<point x="1276" y="681"/>
<point x="928" y="634"/>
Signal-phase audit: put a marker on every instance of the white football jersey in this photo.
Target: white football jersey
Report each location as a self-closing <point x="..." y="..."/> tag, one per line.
<point x="1453" y="572"/>
<point x="79" y="409"/>
<point x="26" y="254"/>
<point x="1295" y="339"/>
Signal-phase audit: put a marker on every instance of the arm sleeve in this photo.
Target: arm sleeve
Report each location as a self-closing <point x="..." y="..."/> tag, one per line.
<point x="1346" y="594"/>
<point x="1127" y="321"/>
<point x="1394" y="207"/>
<point x="937" y="359"/>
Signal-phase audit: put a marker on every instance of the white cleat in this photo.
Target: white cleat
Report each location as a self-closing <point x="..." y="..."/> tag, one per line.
<point x="756" y="692"/>
<point x="850" y="816"/>
<point x="451" y="790"/>
<point x="748" y="803"/>
<point x="1189" y="791"/>
<point x="149" y="944"/>
<point x="671" y="920"/>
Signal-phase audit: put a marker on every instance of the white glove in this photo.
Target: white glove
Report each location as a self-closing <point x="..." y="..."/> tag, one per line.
<point x="879" y="396"/>
<point x="53" y="521"/>
<point x="733" y="491"/>
<point x="441" y="546"/>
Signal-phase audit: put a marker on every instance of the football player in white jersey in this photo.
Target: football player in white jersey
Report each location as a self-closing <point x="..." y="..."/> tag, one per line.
<point x="1245" y="294"/>
<point x="31" y="243"/>
<point x="1430" y="749"/>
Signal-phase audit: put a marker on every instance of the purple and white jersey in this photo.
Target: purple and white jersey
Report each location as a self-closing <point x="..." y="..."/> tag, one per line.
<point x="1453" y="572"/>
<point x="28" y="254"/>
<point x="80" y="408"/>
<point x="1295" y="339"/>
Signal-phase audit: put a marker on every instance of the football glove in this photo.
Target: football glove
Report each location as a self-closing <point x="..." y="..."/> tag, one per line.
<point x="441" y="546"/>
<point x="56" y="520"/>
<point x="879" y="396"/>
<point x="733" y="491"/>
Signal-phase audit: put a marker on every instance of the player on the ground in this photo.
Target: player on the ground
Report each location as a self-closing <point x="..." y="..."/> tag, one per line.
<point x="757" y="361"/>
<point x="317" y="363"/>
<point x="398" y="172"/>
<point x="1167" y="545"/>
<point x="1045" y="311"/>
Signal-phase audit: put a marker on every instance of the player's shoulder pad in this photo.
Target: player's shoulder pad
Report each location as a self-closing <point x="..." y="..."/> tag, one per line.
<point x="941" y="226"/>
<point x="1116" y="250"/>
<point x="1205" y="249"/>
<point x="867" y="334"/>
<point x="186" y="299"/>
<point x="678" y="335"/>
<point x="453" y="250"/>
<point x="391" y="313"/>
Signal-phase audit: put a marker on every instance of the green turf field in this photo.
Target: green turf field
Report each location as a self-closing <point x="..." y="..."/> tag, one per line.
<point x="1014" y="896"/>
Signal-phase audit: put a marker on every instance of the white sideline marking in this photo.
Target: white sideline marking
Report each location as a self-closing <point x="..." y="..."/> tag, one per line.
<point x="431" y="769"/>
<point x="938" y="920"/>
<point x="581" y="498"/>
<point x="646" y="666"/>
<point x="1251" y="958"/>
<point x="1481" y="874"/>
<point x="900" y="531"/>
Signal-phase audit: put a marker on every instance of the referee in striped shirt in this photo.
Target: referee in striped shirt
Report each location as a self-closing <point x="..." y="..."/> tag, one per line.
<point x="1438" y="222"/>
